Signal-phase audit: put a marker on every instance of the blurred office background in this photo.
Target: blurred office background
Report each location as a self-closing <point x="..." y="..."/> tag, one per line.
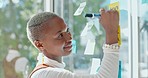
<point x="18" y="52"/>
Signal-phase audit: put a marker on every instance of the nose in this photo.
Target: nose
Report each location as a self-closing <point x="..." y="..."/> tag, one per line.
<point x="67" y="36"/>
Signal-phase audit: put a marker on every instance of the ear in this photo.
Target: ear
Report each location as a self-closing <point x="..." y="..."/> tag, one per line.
<point x="39" y="45"/>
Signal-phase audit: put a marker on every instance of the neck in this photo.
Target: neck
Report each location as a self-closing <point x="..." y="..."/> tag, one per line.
<point x="58" y="59"/>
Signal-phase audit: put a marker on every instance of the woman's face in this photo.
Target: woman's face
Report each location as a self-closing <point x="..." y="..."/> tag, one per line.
<point x="57" y="38"/>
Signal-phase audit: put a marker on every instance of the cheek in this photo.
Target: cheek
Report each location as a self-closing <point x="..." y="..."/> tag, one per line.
<point x="57" y="44"/>
<point x="54" y="44"/>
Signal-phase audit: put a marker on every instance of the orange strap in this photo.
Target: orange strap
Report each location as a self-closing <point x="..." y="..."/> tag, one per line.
<point x="41" y="66"/>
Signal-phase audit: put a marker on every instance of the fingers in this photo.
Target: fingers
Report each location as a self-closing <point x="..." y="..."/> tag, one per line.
<point x="115" y="13"/>
<point x="102" y="10"/>
<point x="111" y="12"/>
<point x="109" y="19"/>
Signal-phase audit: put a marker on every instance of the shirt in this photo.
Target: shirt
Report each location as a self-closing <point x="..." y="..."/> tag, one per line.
<point x="108" y="67"/>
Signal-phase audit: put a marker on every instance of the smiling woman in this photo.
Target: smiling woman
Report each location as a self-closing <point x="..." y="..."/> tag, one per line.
<point x="53" y="31"/>
<point x="56" y="43"/>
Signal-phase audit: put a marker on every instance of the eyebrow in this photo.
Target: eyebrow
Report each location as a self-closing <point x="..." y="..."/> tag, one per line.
<point x="61" y="30"/>
<point x="58" y="32"/>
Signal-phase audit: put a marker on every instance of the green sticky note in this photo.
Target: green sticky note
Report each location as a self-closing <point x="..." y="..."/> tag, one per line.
<point x="144" y="1"/>
<point x="120" y="69"/>
<point x="74" y="46"/>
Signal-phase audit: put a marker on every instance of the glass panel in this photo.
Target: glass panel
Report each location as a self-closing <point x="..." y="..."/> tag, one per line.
<point x="17" y="55"/>
<point x="143" y="25"/>
<point x="78" y="62"/>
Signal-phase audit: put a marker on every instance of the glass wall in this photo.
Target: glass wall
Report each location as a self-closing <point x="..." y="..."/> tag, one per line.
<point x="17" y="55"/>
<point x="79" y="62"/>
<point x="143" y="35"/>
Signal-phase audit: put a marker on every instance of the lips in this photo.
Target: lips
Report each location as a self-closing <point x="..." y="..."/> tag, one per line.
<point x="68" y="47"/>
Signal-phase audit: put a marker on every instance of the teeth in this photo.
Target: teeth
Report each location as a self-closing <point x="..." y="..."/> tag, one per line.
<point x="68" y="46"/>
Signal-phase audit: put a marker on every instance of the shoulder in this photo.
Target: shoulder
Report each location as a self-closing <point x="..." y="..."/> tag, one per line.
<point x="52" y="73"/>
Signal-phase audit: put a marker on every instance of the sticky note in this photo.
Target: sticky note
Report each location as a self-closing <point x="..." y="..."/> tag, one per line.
<point x="90" y="35"/>
<point x="96" y="23"/>
<point x="120" y="69"/>
<point x="89" y="50"/>
<point x="87" y="27"/>
<point x="115" y="6"/>
<point x="95" y="65"/>
<point x="119" y="35"/>
<point x="90" y="24"/>
<point x="74" y="47"/>
<point x="80" y="9"/>
<point x="144" y="1"/>
<point x="84" y="31"/>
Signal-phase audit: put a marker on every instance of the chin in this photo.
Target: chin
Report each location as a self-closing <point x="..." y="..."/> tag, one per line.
<point x="67" y="53"/>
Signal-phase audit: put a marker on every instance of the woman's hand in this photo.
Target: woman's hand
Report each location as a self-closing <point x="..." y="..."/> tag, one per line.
<point x="110" y="22"/>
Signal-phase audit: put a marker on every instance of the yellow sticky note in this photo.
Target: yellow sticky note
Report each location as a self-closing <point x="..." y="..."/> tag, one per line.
<point x="119" y="35"/>
<point x="115" y="6"/>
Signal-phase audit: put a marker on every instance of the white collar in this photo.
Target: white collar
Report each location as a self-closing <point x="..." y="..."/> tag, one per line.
<point x="49" y="61"/>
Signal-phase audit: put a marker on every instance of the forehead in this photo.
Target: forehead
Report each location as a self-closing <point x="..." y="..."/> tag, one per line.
<point x="55" y="21"/>
<point x="54" y="25"/>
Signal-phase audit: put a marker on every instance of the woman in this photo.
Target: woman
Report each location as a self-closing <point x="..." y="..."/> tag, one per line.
<point x="49" y="34"/>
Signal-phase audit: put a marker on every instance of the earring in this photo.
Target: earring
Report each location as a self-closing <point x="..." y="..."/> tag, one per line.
<point x="42" y="58"/>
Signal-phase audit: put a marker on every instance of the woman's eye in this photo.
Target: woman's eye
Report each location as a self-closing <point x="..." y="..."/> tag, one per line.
<point x="67" y="30"/>
<point x="60" y="36"/>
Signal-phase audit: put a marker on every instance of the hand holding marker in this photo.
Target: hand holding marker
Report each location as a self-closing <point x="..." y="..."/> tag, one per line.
<point x="114" y="6"/>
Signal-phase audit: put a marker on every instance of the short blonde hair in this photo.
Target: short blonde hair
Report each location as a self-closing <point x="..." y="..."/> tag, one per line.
<point x="34" y="25"/>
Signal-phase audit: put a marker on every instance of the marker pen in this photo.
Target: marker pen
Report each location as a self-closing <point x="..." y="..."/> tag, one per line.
<point x="92" y="15"/>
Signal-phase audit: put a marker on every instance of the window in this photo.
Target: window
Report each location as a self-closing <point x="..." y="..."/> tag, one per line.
<point x="79" y="62"/>
<point x="15" y="47"/>
<point x="14" y="15"/>
<point x="143" y="38"/>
